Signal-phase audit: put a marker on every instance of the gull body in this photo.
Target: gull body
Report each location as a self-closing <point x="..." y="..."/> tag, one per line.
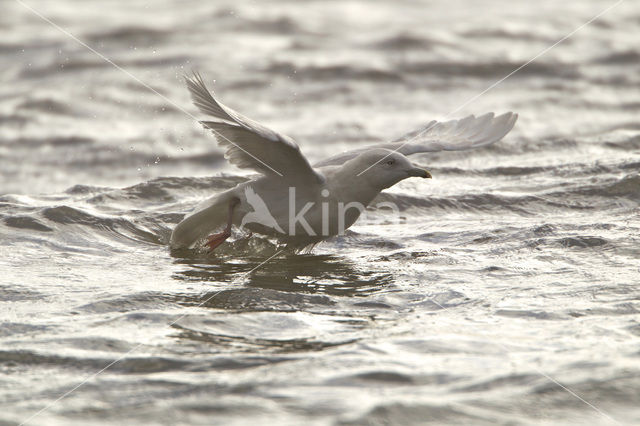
<point x="302" y="205"/>
<point x="340" y="190"/>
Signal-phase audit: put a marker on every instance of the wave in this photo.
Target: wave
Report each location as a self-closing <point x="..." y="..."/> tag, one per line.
<point x="57" y="67"/>
<point x="632" y="143"/>
<point x="582" y="241"/>
<point x="276" y="25"/>
<point x="161" y="189"/>
<point x="509" y="34"/>
<point x="495" y="69"/>
<point x="405" y="40"/>
<point x="8" y="48"/>
<point x="16" y="293"/>
<point x="59" y="141"/>
<point x="627" y="57"/>
<point x="128" y="365"/>
<point x="149" y="229"/>
<point x="21" y="329"/>
<point x="492" y="171"/>
<point x="262" y="299"/>
<point x="26" y="222"/>
<point x="17" y="120"/>
<point x="334" y="72"/>
<point x="146" y="212"/>
<point x="48" y="105"/>
<point x="444" y="68"/>
<point x="152" y="301"/>
<point x="130" y="35"/>
<point x="467" y="202"/>
<point x="583" y="197"/>
<point x="412" y="414"/>
<point x="626" y="187"/>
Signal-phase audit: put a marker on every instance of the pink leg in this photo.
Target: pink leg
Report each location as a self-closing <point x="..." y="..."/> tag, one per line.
<point x="214" y="240"/>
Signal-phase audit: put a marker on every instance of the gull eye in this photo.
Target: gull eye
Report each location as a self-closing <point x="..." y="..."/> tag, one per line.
<point x="390" y="162"/>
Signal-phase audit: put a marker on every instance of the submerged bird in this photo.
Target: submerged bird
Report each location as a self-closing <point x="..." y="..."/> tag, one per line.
<point x="300" y="204"/>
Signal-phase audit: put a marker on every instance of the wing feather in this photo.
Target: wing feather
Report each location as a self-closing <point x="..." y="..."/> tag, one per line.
<point x="247" y="143"/>
<point x="454" y="135"/>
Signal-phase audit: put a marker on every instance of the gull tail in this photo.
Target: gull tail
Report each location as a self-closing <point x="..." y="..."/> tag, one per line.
<point x="206" y="218"/>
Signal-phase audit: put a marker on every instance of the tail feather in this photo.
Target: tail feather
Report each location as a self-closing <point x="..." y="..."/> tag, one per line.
<point x="209" y="216"/>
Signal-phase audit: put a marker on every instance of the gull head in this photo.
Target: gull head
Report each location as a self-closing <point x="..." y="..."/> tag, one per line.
<point x="383" y="168"/>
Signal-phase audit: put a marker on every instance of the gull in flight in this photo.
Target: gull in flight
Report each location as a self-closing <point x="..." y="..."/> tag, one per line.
<point x="300" y="204"/>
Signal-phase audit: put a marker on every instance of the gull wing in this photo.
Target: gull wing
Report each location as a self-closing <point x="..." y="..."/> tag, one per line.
<point x="454" y="135"/>
<point x="249" y="144"/>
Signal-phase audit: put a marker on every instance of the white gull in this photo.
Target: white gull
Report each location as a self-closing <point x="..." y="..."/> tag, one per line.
<point x="302" y="205"/>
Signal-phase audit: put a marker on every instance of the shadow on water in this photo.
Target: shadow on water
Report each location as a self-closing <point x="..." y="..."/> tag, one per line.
<point x="286" y="272"/>
<point x="326" y="274"/>
<point x="290" y="304"/>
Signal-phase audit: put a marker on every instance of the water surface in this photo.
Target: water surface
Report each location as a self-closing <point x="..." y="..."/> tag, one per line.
<point x="513" y="271"/>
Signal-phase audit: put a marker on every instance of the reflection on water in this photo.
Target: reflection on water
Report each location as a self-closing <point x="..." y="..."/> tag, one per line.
<point x="287" y="271"/>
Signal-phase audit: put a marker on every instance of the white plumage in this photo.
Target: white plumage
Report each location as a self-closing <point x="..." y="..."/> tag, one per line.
<point x="288" y="179"/>
<point x="454" y="135"/>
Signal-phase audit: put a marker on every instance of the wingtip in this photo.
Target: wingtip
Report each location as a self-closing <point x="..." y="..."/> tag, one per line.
<point x="511" y="118"/>
<point x="194" y="79"/>
<point x="190" y="76"/>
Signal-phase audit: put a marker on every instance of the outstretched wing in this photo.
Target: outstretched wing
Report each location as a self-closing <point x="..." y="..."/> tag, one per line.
<point x="249" y="144"/>
<point x="455" y="135"/>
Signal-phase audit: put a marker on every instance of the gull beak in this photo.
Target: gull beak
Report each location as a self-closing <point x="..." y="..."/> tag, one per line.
<point x="418" y="172"/>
